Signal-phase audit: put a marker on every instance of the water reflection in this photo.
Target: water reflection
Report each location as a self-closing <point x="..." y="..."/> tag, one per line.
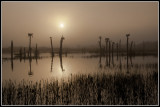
<point x="129" y="66"/>
<point x="109" y="62"/>
<point x="131" y="61"/>
<point x="113" y="62"/>
<point x="120" y="65"/>
<point x="61" y="64"/>
<point x="20" y="54"/>
<point x="112" y="53"/>
<point x="30" y="73"/>
<point x="20" y="59"/>
<point x="60" y="53"/>
<point x="36" y="60"/>
<point x="109" y="52"/>
<point x="100" y="62"/>
<point x="12" y="64"/>
<point x="106" y="60"/>
<point x="24" y="54"/>
<point x="78" y="65"/>
<point x="117" y="52"/>
<point x="51" y="63"/>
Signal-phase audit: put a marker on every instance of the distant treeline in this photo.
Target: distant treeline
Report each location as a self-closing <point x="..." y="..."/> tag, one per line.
<point x="141" y="47"/>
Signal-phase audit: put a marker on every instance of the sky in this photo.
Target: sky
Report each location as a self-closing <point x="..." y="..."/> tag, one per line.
<point x="83" y="22"/>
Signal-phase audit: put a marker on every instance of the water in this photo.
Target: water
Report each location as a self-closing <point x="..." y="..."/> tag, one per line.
<point x="83" y="79"/>
<point x="75" y="64"/>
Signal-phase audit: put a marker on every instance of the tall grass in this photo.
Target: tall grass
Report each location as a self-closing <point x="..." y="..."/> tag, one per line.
<point x="96" y="89"/>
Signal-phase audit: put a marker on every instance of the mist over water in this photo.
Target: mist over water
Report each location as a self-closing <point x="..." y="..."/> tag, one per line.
<point x="83" y="22"/>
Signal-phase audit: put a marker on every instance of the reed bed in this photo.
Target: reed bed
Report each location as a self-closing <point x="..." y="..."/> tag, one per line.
<point x="96" y="89"/>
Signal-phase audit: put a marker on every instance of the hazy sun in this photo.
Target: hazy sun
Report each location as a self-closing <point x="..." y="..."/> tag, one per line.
<point x="61" y="25"/>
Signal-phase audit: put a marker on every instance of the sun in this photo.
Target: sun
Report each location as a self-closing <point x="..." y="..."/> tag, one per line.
<point x="61" y="25"/>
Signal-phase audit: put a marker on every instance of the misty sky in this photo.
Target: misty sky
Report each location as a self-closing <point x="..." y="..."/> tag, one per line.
<point x="83" y="22"/>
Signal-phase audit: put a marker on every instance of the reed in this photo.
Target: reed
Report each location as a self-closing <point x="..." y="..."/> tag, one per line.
<point x="96" y="89"/>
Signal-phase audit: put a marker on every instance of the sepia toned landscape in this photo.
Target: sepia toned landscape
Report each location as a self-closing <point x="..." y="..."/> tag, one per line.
<point x="79" y="53"/>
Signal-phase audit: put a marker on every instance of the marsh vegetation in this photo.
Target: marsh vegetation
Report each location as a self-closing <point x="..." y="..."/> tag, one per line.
<point x="110" y="86"/>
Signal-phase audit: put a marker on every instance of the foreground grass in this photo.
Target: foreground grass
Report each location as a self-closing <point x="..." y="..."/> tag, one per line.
<point x="98" y="89"/>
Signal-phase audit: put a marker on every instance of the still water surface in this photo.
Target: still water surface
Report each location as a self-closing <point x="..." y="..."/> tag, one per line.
<point x="75" y="64"/>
